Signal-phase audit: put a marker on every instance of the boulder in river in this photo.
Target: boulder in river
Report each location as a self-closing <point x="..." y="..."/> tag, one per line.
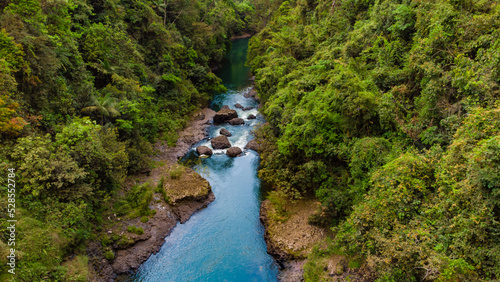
<point x="253" y="145"/>
<point x="251" y="117"/>
<point x="250" y="94"/>
<point x="233" y="152"/>
<point x="204" y="150"/>
<point x="238" y="105"/>
<point x="236" y="121"/>
<point x="220" y="142"/>
<point x="224" y="115"/>
<point x="247" y="108"/>
<point x="225" y="132"/>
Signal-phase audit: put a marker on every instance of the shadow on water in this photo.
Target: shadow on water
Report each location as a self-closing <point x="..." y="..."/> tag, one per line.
<point x="225" y="241"/>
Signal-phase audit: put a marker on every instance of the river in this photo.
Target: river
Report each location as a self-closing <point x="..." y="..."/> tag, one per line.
<point x="225" y="241"/>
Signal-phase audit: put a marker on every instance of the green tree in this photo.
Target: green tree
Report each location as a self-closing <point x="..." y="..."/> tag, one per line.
<point x="104" y="107"/>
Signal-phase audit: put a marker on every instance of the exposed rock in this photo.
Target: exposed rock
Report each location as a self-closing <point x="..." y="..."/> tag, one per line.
<point x="204" y="150"/>
<point x="225" y="132"/>
<point x="251" y="117"/>
<point x="252" y="78"/>
<point x="188" y="194"/>
<point x="140" y="247"/>
<point x="250" y="94"/>
<point x="199" y="116"/>
<point x="236" y="121"/>
<point x="224" y="115"/>
<point x="192" y="134"/>
<point x="238" y="105"/>
<point x="137" y="248"/>
<point x="233" y="152"/>
<point x="248" y="108"/>
<point x="292" y="270"/>
<point x="291" y="239"/>
<point x="253" y="145"/>
<point x="220" y="142"/>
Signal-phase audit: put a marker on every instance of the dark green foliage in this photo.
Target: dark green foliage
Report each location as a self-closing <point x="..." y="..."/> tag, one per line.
<point x="136" y="230"/>
<point x="109" y="255"/>
<point x="97" y="150"/>
<point x="368" y="154"/>
<point x="138" y="198"/>
<point x="87" y="87"/>
<point x="387" y="111"/>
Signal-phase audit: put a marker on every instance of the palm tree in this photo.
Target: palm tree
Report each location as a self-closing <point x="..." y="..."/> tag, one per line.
<point x="103" y="106"/>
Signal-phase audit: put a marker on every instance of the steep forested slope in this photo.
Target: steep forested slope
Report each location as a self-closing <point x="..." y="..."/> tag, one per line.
<point x="388" y="112"/>
<point x="86" y="86"/>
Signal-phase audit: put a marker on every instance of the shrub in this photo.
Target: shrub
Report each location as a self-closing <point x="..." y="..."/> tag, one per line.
<point x="176" y="171"/>
<point x="109" y="255"/>
<point x="105" y="240"/>
<point x="139" y="198"/>
<point x="136" y="230"/>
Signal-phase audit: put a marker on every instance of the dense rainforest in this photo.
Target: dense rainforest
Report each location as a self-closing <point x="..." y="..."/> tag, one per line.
<point x="388" y="112"/>
<point x="86" y="88"/>
<point x="385" y="111"/>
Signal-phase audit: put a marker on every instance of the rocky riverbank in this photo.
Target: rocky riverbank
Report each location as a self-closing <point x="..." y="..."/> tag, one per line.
<point x="289" y="237"/>
<point x="125" y="243"/>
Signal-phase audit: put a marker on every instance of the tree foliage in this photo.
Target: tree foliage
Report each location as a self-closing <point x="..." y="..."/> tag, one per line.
<point x="86" y="88"/>
<point x="387" y="112"/>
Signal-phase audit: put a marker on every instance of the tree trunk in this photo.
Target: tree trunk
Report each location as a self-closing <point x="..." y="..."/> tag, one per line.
<point x="165" y="14"/>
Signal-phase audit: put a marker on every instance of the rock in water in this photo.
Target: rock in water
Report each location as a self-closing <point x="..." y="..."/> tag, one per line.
<point x="252" y="145"/>
<point x="233" y="152"/>
<point x="204" y="150"/>
<point x="247" y="108"/>
<point x="225" y="132"/>
<point x="224" y="115"/>
<point x="251" y="117"/>
<point x="220" y="142"/>
<point x="238" y="105"/>
<point x="236" y="121"/>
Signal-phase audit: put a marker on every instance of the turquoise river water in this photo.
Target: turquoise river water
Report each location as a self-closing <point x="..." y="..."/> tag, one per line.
<point x="225" y="241"/>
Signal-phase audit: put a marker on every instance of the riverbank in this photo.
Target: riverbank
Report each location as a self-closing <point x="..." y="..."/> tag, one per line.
<point x="177" y="193"/>
<point x="302" y="250"/>
<point x="289" y="237"/>
<point x="206" y="245"/>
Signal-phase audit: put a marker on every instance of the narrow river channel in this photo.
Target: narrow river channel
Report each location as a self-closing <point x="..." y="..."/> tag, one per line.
<point x="225" y="241"/>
